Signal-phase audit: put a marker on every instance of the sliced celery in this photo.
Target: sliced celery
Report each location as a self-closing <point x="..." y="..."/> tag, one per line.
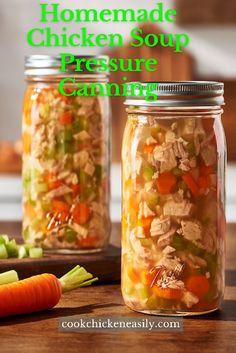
<point x="98" y="173"/>
<point x="8" y="277"/>
<point x="22" y="252"/>
<point x="148" y="172"/>
<point x="42" y="187"/>
<point x="35" y="253"/>
<point x="142" y="292"/>
<point x="71" y="235"/>
<point x="4" y="239"/>
<point x="146" y="242"/>
<point x="12" y="248"/>
<point x="3" y="252"/>
<point x="152" y="199"/>
<point x="177" y="172"/>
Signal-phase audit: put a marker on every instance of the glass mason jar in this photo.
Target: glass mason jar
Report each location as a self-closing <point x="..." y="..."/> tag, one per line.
<point x="173" y="224"/>
<point x="66" y="160"/>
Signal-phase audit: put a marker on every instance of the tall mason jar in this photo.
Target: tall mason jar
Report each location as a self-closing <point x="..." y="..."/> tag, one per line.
<point x="173" y="225"/>
<point x="66" y="159"/>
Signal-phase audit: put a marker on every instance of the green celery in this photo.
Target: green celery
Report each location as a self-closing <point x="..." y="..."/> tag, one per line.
<point x="12" y="248"/>
<point x="41" y="187"/>
<point x="35" y="253"/>
<point x="8" y="277"/>
<point x="3" y="251"/>
<point x="22" y="253"/>
<point x="176" y="172"/>
<point x="71" y="235"/>
<point x="148" y="172"/>
<point x="4" y="239"/>
<point x="146" y="242"/>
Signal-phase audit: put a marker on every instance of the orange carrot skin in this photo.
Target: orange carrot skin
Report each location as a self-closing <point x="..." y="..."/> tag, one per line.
<point x="37" y="293"/>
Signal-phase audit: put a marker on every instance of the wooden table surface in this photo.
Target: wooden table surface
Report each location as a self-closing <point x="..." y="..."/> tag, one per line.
<point x="34" y="333"/>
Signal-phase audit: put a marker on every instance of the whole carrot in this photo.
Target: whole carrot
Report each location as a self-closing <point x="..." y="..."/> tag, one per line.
<point x="41" y="292"/>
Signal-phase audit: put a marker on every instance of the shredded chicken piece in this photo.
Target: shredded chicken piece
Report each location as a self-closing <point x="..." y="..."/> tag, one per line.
<point x="208" y="155"/>
<point x="145" y="211"/>
<point x="166" y="238"/>
<point x="82" y="135"/>
<point x="80" y="159"/>
<point x="192" y="230"/>
<point x="168" y="250"/>
<point x="189" y="299"/>
<point x="160" y="226"/>
<point x="178" y="209"/>
<point x="188" y="128"/>
<point x="89" y="169"/>
<point x="209" y="239"/>
<point x="170" y="137"/>
<point x="179" y="150"/>
<point x="166" y="156"/>
<point x="62" y="190"/>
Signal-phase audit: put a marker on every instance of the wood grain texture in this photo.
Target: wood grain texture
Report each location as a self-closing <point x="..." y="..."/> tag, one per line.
<point x="192" y="12"/>
<point x="38" y="333"/>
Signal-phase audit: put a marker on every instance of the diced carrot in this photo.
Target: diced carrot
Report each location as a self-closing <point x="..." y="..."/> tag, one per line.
<point x="88" y="242"/>
<point x="147" y="277"/>
<point x="52" y="182"/>
<point x="168" y="293"/>
<point x="133" y="274"/>
<point x="150" y="148"/>
<point x="206" y="170"/>
<point x="198" y="285"/>
<point x="29" y="210"/>
<point x="81" y="213"/>
<point x="166" y="183"/>
<point x="60" y="206"/>
<point x="145" y="222"/>
<point x="26" y="137"/>
<point x="204" y="181"/>
<point x="66" y="118"/>
<point x="75" y="190"/>
<point x="191" y="183"/>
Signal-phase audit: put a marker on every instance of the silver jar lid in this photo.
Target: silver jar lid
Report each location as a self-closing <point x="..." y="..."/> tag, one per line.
<point x="49" y="65"/>
<point x="176" y="93"/>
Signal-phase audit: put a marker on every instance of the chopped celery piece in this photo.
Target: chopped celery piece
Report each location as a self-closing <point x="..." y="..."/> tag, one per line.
<point x="22" y="252"/>
<point x="42" y="187"/>
<point x="26" y="233"/>
<point x="8" y="277"/>
<point x="142" y="292"/>
<point x="146" y="242"/>
<point x="84" y="178"/>
<point x="80" y="125"/>
<point x="98" y="173"/>
<point x="3" y="252"/>
<point x="4" y="239"/>
<point x="46" y="206"/>
<point x="12" y="248"/>
<point x="182" y="186"/>
<point x="176" y="171"/>
<point x="212" y="292"/>
<point x="71" y="235"/>
<point x="194" y="249"/>
<point x="35" y="253"/>
<point x="28" y="247"/>
<point x="191" y="149"/>
<point x="148" y="172"/>
<point x="152" y="199"/>
<point x="178" y="242"/>
<point x="77" y="277"/>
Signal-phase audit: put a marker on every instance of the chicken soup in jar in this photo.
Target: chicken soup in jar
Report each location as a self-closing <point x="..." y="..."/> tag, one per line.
<point x="173" y="222"/>
<point x="66" y="158"/>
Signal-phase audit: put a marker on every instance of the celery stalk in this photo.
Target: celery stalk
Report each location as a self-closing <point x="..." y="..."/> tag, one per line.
<point x="3" y="252"/>
<point x="35" y="253"/>
<point x="77" y="277"/>
<point x="8" y="277"/>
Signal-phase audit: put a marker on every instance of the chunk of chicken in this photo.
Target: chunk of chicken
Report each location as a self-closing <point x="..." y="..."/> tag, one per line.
<point x="166" y="156"/>
<point x="160" y="226"/>
<point x="208" y="155"/>
<point x="166" y="238"/>
<point x="192" y="230"/>
<point x="145" y="211"/>
<point x="178" y="209"/>
<point x="189" y="299"/>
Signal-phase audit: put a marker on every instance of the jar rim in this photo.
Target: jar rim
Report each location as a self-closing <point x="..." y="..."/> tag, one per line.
<point x="50" y="65"/>
<point x="175" y="93"/>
